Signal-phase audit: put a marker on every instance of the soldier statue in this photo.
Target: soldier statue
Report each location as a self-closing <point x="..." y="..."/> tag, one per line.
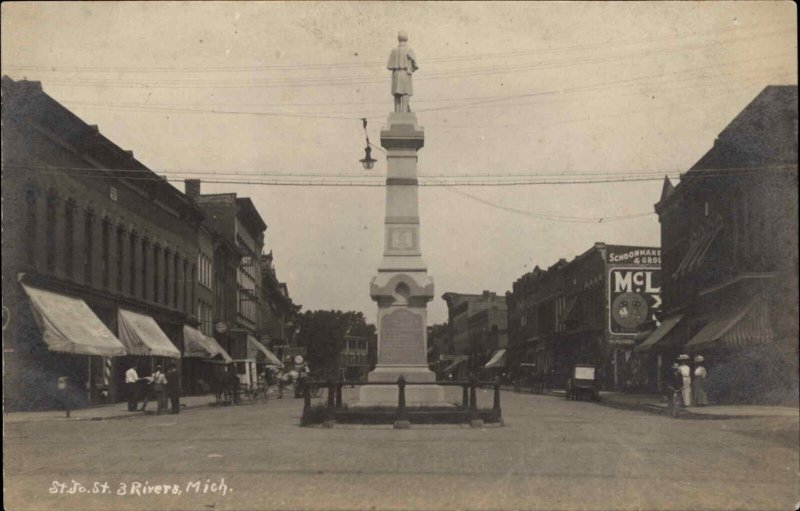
<point x="402" y="63"/>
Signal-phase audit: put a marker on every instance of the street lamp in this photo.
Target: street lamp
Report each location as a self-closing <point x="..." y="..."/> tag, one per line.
<point x="368" y="162"/>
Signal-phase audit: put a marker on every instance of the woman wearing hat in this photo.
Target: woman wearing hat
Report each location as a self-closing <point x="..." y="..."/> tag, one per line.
<point x="698" y="389"/>
<point x="686" y="373"/>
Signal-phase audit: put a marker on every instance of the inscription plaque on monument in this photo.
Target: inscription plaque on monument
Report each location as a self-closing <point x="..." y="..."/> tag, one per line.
<point x="401" y="338"/>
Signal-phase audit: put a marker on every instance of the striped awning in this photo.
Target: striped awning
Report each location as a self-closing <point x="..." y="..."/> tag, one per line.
<point x="497" y="360"/>
<point x="198" y="345"/>
<point x="68" y="325"/>
<point x="735" y="328"/>
<point x="659" y="335"/>
<point x="452" y="367"/>
<point x="141" y="335"/>
<point x="262" y="353"/>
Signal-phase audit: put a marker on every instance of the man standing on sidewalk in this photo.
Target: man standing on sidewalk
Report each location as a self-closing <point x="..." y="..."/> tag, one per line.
<point x="173" y="388"/>
<point x="132" y="388"/>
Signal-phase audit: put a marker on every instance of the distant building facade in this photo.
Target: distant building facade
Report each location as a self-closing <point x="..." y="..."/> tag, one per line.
<point x="354" y="364"/>
<point x="588" y="310"/>
<point x="477" y="326"/>
<point x="729" y="232"/>
<point x="235" y="271"/>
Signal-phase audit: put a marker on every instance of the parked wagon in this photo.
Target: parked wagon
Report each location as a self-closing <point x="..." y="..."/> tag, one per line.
<point x="583" y="383"/>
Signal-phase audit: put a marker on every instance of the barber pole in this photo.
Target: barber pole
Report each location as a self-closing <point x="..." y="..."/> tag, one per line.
<point x="107" y="371"/>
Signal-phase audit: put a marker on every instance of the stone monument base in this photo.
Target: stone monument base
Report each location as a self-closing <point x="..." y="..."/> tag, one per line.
<point x="386" y="395"/>
<point x="411" y="373"/>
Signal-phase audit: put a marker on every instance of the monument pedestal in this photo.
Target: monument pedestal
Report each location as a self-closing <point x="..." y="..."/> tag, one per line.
<point x="402" y="288"/>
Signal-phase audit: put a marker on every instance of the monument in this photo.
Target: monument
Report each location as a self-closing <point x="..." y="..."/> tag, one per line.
<point x="402" y="287"/>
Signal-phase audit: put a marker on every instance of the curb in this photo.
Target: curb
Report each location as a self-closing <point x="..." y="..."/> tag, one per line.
<point x="129" y="415"/>
<point x="663" y="410"/>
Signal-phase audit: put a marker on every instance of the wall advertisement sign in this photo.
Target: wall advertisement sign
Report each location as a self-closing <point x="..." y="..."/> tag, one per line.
<point x="634" y="297"/>
<point x="634" y="255"/>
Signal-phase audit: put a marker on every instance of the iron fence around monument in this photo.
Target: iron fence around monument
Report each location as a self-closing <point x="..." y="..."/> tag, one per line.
<point x="334" y="410"/>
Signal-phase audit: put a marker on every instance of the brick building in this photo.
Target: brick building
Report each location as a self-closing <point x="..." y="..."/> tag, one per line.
<point x="476" y="326"/>
<point x="729" y="232"/>
<point x="241" y="305"/>
<point x="588" y="310"/>
<point x="97" y="250"/>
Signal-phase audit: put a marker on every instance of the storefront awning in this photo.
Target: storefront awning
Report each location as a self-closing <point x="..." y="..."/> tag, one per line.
<point x="659" y="334"/>
<point x="735" y="328"/>
<point x="263" y="352"/>
<point x="68" y="325"/>
<point x="198" y="345"/>
<point x="452" y="367"/>
<point x="141" y="335"/>
<point x="497" y="360"/>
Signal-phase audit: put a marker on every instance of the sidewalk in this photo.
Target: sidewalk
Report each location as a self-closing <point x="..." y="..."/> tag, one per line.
<point x="104" y="412"/>
<point x="655" y="404"/>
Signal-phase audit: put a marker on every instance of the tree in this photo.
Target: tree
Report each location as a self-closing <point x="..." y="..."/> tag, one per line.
<point x="322" y="334"/>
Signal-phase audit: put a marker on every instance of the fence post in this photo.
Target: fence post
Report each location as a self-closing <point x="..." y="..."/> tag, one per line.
<point x="473" y="395"/>
<point x="496" y="404"/>
<point x="401" y="422"/>
<point x="331" y="393"/>
<point x="465" y="396"/>
<point x="306" y="404"/>
<point x="474" y="418"/>
<point x="339" y="394"/>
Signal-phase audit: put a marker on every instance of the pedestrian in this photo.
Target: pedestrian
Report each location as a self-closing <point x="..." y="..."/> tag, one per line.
<point x="698" y="385"/>
<point x="146" y="389"/>
<point x="132" y="387"/>
<point x="233" y="385"/>
<point x="686" y="374"/>
<point x="173" y="388"/>
<point x="159" y="386"/>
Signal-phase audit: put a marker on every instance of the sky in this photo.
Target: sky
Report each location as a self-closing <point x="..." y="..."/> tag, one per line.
<point x="507" y="92"/>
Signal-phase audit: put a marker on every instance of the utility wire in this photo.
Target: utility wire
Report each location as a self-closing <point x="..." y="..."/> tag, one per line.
<point x="339" y="65"/>
<point x="347" y="81"/>
<point x="548" y="216"/>
<point x="490" y="101"/>
<point x="333" y="180"/>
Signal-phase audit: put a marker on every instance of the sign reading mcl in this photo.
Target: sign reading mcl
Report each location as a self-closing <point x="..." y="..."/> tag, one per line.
<point x="634" y="297"/>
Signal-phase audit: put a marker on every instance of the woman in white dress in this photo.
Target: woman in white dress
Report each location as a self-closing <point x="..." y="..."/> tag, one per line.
<point x="686" y="373"/>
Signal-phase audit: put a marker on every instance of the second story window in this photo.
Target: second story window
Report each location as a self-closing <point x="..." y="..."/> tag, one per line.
<point x="50" y="261"/>
<point x="30" y="222"/>
<point x="105" y="249"/>
<point x="156" y="263"/>
<point x="69" y="233"/>
<point x="88" y="242"/>
<point x="120" y="255"/>
<point x="132" y="263"/>
<point x="145" y="268"/>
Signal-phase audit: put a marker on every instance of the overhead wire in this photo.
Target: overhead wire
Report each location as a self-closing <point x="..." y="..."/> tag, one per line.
<point x="436" y="180"/>
<point x="328" y="80"/>
<point x="489" y="101"/>
<point x="453" y="58"/>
